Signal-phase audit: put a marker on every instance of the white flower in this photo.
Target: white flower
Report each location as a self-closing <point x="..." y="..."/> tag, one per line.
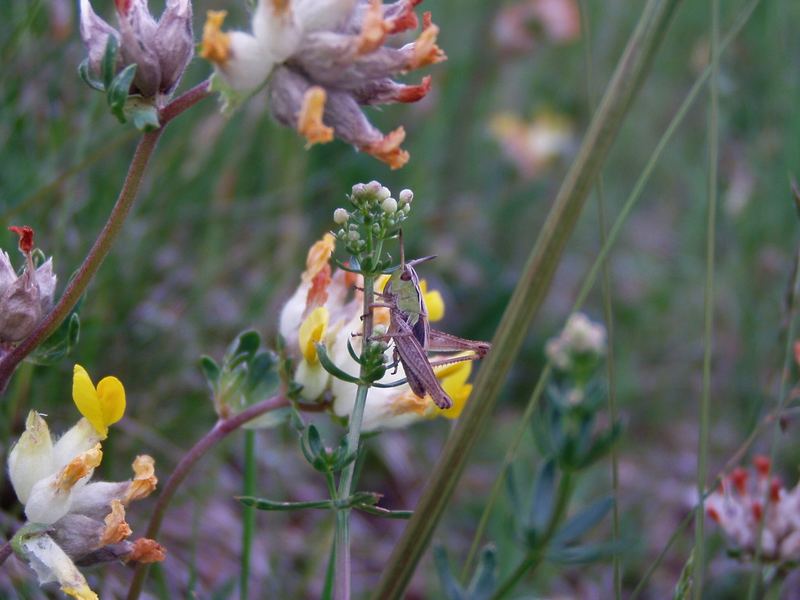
<point x="69" y="518"/>
<point x="580" y="338"/>
<point x="324" y="59"/>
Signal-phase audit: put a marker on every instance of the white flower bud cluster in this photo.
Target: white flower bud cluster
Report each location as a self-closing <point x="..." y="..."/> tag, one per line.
<point x="581" y="339"/>
<point x="376" y="211"/>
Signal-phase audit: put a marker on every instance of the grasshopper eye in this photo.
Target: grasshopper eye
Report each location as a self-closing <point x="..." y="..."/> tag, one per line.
<point x="406" y="276"/>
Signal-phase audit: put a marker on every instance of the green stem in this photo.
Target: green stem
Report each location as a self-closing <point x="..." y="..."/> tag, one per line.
<point x="249" y="512"/>
<point x="535" y="557"/>
<point x="608" y="313"/>
<point x="529" y="294"/>
<point x="108" y="235"/>
<point x="220" y="431"/>
<point x="342" y="537"/>
<point x="497" y="486"/>
<point x="708" y="308"/>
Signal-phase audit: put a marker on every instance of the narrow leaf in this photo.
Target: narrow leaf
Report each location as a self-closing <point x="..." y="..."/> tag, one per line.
<point x="575" y="527"/>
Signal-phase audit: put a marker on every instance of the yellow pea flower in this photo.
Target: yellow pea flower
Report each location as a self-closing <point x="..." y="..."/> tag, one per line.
<point x="454" y="379"/>
<point x="312" y="331"/>
<point x="103" y="405"/>
<point x="434" y="302"/>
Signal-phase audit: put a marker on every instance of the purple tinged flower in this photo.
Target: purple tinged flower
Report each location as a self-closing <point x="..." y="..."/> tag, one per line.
<point x="159" y="49"/>
<point x="324" y="59"/>
<point x="27" y="298"/>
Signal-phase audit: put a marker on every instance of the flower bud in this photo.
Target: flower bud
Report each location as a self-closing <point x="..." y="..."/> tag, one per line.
<point x="389" y="206"/>
<point x="340" y="216"/>
<point x="26" y="299"/>
<point x="160" y="50"/>
<point x="31" y="459"/>
<point x="406" y="196"/>
<point x="384" y="193"/>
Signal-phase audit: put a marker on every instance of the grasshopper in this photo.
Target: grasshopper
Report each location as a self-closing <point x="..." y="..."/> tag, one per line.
<point x="412" y="334"/>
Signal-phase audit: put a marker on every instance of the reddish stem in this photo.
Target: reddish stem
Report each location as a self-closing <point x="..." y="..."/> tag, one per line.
<point x="127" y="195"/>
<point x="220" y="430"/>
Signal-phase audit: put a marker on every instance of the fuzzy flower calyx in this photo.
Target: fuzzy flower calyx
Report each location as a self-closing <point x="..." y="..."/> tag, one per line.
<point x="749" y="503"/>
<point x="324" y="59"/>
<point x="159" y="49"/>
<point x="72" y="520"/>
<point x="24" y="299"/>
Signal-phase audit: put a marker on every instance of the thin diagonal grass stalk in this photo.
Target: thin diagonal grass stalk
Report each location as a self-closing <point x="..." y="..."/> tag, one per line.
<point x="530" y="292"/>
<point x="708" y="306"/>
<point x="783" y="395"/>
<point x="608" y="312"/>
<point x="591" y="277"/>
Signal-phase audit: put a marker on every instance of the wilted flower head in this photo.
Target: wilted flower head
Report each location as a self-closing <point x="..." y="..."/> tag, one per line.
<point x="159" y="49"/>
<point x="324" y="59"/>
<point x="581" y="340"/>
<point x="71" y="520"/>
<point x="326" y="308"/>
<point x="749" y="501"/>
<point x="27" y="298"/>
<point x="533" y="145"/>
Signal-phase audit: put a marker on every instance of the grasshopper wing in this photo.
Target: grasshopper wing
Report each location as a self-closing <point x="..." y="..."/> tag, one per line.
<point x="419" y="373"/>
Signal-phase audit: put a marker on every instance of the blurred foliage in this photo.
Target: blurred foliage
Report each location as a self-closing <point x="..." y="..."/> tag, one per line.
<point x="218" y="237"/>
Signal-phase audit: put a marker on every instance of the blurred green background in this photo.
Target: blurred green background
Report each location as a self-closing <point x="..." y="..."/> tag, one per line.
<point x="228" y="209"/>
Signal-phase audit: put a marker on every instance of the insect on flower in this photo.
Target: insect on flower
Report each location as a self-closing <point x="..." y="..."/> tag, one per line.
<point x="413" y="337"/>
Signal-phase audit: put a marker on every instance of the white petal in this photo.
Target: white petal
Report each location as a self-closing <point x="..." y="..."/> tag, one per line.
<point x="316" y="15"/>
<point x="249" y="65"/>
<point x="313" y="378"/>
<point x="7" y="273"/>
<point x="31" y="459"/>
<point x="51" y="563"/>
<point x="80" y="438"/>
<point x="277" y="32"/>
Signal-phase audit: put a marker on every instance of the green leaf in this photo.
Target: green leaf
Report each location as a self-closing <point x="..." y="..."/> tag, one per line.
<point x="602" y="445"/>
<point x="108" y="66"/>
<point x="576" y="526"/>
<point x="210" y="370"/>
<point x="484" y="581"/>
<point x="513" y="490"/>
<point x="315" y="442"/>
<point x="584" y="554"/>
<point x="86" y="76"/>
<point x="451" y="589"/>
<point x="264" y="504"/>
<point x="117" y="92"/>
<point x="543" y="496"/>
<point x="143" y="114"/>
<point x="60" y="343"/>
<point x="331" y="368"/>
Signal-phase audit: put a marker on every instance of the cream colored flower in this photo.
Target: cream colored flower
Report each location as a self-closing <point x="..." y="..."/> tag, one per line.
<point x="85" y="520"/>
<point x="324" y="59"/>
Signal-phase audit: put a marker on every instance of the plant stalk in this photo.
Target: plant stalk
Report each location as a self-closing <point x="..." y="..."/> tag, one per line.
<point x="127" y="195"/>
<point x="342" y="536"/>
<point x="221" y="429"/>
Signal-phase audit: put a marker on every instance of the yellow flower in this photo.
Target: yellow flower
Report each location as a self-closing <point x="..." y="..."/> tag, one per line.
<point x="434" y="303"/>
<point x="103" y="405"/>
<point x="454" y="381"/>
<point x="312" y="331"/>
